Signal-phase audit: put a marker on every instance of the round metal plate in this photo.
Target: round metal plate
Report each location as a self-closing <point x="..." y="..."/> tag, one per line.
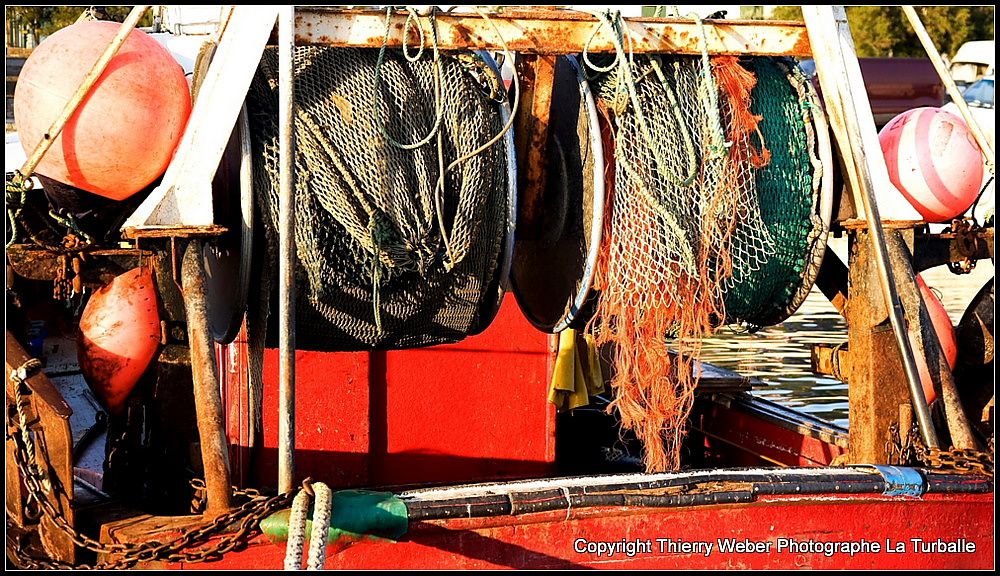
<point x="552" y="271"/>
<point x="228" y="259"/>
<point x="498" y="286"/>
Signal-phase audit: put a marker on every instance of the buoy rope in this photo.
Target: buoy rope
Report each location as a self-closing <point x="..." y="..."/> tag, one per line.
<point x="18" y="376"/>
<point x="16" y="196"/>
<point x="297" y="524"/>
<point x="410" y="23"/>
<point x="508" y="57"/>
<point x="622" y="67"/>
<point x="297" y="530"/>
<point x="320" y="526"/>
<point x="379" y="235"/>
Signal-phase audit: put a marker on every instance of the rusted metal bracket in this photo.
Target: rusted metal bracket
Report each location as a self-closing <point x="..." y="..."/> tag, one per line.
<point x="832" y="360"/>
<point x="961" y="248"/>
<point x="965" y="245"/>
<point x="49" y="416"/>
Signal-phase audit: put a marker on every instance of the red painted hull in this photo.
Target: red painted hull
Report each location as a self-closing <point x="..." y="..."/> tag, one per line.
<point x="548" y="539"/>
<point x="442" y="414"/>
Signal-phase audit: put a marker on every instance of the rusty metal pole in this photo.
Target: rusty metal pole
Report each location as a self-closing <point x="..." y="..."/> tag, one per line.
<point x="89" y="80"/>
<point x="207" y="399"/>
<point x="286" y="251"/>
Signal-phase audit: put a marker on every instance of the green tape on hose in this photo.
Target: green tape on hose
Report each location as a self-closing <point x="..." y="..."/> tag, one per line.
<point x="356" y="514"/>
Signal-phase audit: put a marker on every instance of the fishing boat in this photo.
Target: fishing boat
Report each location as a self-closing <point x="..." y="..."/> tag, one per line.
<point x="259" y="351"/>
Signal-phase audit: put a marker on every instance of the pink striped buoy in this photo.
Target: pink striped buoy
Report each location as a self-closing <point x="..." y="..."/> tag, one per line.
<point x="934" y="161"/>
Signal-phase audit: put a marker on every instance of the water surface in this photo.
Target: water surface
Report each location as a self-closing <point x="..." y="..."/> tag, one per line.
<point x="780" y="354"/>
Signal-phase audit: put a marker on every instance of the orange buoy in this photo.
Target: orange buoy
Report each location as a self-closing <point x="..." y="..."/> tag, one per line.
<point x="119" y="336"/>
<point x="934" y="162"/>
<point x="123" y="135"/>
<point x="945" y="334"/>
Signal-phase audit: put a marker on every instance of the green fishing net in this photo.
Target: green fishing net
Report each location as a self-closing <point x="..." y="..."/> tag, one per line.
<point x="788" y="191"/>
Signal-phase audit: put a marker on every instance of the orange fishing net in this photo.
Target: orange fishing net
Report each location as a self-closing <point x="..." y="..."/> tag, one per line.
<point x="682" y="208"/>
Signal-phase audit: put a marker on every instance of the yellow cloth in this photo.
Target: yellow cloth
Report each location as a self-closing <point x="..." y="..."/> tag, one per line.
<point x="595" y="376"/>
<point x="577" y="373"/>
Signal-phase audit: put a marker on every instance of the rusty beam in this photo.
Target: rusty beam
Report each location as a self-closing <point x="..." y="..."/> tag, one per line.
<point x="877" y="381"/>
<point x="207" y="398"/>
<point x="926" y="344"/>
<point x="53" y="439"/>
<point x="197" y="231"/>
<point x="100" y="267"/>
<point x="537" y="74"/>
<point x="832" y="280"/>
<point x="552" y="32"/>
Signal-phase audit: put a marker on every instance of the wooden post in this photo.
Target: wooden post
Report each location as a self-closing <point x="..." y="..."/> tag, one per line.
<point x="876" y="380"/>
<point x="49" y="415"/>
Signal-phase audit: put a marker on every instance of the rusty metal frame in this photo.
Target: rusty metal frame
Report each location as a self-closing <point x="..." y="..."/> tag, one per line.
<point x="553" y="32"/>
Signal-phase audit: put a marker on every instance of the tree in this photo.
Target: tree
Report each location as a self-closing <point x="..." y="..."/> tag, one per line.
<point x="787" y="13"/>
<point x="41" y="21"/>
<point x="885" y="31"/>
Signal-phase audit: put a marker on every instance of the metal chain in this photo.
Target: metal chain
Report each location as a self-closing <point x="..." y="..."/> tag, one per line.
<point x="910" y="448"/>
<point x="246" y="518"/>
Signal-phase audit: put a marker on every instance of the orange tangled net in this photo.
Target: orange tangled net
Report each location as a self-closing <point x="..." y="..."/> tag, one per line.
<point x="647" y="294"/>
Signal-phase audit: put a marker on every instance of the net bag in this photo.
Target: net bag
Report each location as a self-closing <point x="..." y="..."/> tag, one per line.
<point x="389" y="254"/>
<point x="684" y="226"/>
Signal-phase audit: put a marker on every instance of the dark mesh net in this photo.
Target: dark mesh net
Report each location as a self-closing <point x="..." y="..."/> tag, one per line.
<point x="373" y="269"/>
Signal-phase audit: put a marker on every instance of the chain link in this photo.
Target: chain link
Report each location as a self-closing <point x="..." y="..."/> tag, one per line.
<point x="910" y="448"/>
<point x="246" y="518"/>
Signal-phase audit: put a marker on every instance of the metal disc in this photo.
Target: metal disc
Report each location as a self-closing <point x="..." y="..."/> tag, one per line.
<point x="497" y="287"/>
<point x="974" y="367"/>
<point x="552" y="272"/>
<point x="228" y="258"/>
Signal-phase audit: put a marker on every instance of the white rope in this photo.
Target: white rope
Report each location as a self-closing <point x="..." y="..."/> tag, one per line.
<point x="320" y="526"/>
<point x="297" y="531"/>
